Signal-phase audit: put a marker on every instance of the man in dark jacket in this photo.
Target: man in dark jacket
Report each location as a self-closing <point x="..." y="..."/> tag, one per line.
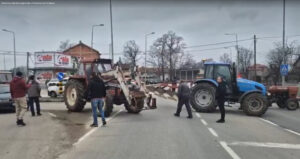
<point x="97" y="93"/>
<point x="183" y="98"/>
<point x="18" y="89"/>
<point x="34" y="94"/>
<point x="220" y="97"/>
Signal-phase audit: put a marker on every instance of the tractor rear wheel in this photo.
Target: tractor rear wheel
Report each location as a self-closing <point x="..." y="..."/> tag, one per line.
<point x="292" y="104"/>
<point x="203" y="97"/>
<point x="254" y="104"/>
<point x="108" y="106"/>
<point x="281" y="103"/>
<point x="135" y="107"/>
<point x="74" y="96"/>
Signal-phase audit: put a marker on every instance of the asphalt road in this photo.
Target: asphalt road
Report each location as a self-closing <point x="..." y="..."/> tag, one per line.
<point x="157" y="134"/>
<point x="152" y="134"/>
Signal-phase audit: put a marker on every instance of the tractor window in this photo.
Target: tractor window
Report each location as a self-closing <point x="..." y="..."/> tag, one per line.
<point x="209" y="72"/>
<point x="223" y="71"/>
<point x="100" y="67"/>
<point x="81" y="69"/>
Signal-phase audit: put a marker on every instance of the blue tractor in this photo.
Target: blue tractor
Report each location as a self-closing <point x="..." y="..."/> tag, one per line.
<point x="250" y="94"/>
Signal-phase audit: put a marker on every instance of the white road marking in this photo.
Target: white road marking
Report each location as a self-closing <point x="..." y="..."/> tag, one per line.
<point x="267" y="121"/>
<point x="94" y="129"/>
<point x="212" y="131"/>
<point x="198" y="115"/>
<point x="204" y="122"/>
<point x="229" y="150"/>
<point x="294" y="132"/>
<point x="53" y="115"/>
<point x="266" y="144"/>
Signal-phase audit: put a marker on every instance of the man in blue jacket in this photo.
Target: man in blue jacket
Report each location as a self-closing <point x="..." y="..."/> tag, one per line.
<point x="97" y="93"/>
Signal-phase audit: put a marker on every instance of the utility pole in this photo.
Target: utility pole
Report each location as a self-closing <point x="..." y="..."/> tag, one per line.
<point x="283" y="41"/>
<point x="255" y="58"/>
<point x="111" y="32"/>
<point x="93" y="26"/>
<point x="146" y="36"/>
<point x="27" y="64"/>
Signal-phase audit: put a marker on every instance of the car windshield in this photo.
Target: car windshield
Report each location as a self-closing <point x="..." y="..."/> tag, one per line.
<point x="4" y="89"/>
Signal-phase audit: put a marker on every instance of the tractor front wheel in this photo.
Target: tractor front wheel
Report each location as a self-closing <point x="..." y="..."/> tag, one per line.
<point x="203" y="97"/>
<point x="74" y="96"/>
<point x="136" y="106"/>
<point x="108" y="105"/>
<point x="254" y="104"/>
<point x="292" y="104"/>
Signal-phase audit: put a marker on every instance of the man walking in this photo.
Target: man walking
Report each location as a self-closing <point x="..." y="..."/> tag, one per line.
<point x="34" y="94"/>
<point x="220" y="97"/>
<point x="97" y="93"/>
<point x="183" y="98"/>
<point x="18" y="89"/>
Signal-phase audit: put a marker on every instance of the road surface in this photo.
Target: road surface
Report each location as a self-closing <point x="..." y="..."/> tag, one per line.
<point x="152" y="134"/>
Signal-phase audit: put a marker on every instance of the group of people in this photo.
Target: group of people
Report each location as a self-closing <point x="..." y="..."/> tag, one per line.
<point x="184" y="96"/>
<point x="18" y="89"/>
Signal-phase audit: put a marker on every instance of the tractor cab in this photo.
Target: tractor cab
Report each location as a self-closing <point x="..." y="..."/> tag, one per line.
<point x="87" y="66"/>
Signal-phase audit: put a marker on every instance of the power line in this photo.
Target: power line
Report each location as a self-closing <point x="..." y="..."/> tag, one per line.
<point x="219" y="43"/>
<point x="211" y="48"/>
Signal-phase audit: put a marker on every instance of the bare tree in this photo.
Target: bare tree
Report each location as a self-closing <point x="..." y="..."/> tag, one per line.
<point x="245" y="58"/>
<point x="131" y="51"/>
<point x="188" y="61"/>
<point x="175" y="46"/>
<point x="65" y="45"/>
<point x="276" y="58"/>
<point x="225" y="58"/>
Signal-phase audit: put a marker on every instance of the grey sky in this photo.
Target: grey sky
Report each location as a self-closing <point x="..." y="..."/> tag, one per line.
<point x="42" y="27"/>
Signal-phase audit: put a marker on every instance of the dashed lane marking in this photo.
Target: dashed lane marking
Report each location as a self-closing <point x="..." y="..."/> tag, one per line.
<point x="294" y="132"/>
<point x="94" y="129"/>
<point x="53" y="115"/>
<point x="213" y="132"/>
<point x="198" y="115"/>
<point x="267" y="121"/>
<point x="266" y="144"/>
<point x="204" y="122"/>
<point x="229" y="150"/>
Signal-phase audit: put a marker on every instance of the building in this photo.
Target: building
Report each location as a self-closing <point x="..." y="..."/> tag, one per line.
<point x="82" y="50"/>
<point x="262" y="72"/>
<point x="294" y="74"/>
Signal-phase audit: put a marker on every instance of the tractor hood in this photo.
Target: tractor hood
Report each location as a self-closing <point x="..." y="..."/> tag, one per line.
<point x="248" y="85"/>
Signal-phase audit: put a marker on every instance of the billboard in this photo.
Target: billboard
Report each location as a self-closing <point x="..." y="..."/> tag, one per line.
<point x="52" y="59"/>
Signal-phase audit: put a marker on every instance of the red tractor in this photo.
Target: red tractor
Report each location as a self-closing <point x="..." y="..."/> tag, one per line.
<point x="285" y="96"/>
<point x="119" y="90"/>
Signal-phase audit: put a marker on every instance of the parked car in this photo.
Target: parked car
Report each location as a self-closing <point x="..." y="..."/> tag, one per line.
<point x="6" y="102"/>
<point x="53" y="87"/>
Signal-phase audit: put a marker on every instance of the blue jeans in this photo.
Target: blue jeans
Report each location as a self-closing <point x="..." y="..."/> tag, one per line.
<point x="97" y="104"/>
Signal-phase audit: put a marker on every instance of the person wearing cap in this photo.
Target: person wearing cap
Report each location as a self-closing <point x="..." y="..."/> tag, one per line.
<point x="18" y="89"/>
<point x="34" y="94"/>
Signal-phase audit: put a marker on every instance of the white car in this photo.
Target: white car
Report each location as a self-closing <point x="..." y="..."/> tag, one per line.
<point x="53" y="87"/>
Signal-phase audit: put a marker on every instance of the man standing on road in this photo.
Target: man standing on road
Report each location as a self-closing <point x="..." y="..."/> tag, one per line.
<point x="18" y="89"/>
<point x="97" y="93"/>
<point x="183" y="98"/>
<point x="34" y="94"/>
<point x="220" y="97"/>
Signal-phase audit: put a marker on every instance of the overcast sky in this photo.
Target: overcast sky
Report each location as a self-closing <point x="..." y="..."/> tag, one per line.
<point x="42" y="26"/>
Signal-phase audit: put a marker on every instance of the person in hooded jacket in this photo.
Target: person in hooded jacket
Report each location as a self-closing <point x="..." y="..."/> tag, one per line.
<point x="34" y="94"/>
<point x="183" y="99"/>
<point x="18" y="89"/>
<point x="220" y="97"/>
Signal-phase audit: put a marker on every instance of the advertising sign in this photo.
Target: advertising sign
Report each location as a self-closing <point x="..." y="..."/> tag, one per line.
<point x="44" y="59"/>
<point x="44" y="74"/>
<point x="62" y="61"/>
<point x="52" y="59"/>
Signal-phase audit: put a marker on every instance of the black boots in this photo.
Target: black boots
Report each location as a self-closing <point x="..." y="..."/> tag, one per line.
<point x="21" y="122"/>
<point x="103" y="122"/>
<point x="220" y="121"/>
<point x="177" y="115"/>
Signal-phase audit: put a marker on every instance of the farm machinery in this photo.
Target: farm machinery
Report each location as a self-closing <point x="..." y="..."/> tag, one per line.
<point x="123" y="87"/>
<point x="285" y="96"/>
<point x="251" y="95"/>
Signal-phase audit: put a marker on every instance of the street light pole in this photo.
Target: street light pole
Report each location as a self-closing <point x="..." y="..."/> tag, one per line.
<point x="14" y="43"/>
<point x="283" y="41"/>
<point x="111" y="32"/>
<point x="92" y="41"/>
<point x="146" y="36"/>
